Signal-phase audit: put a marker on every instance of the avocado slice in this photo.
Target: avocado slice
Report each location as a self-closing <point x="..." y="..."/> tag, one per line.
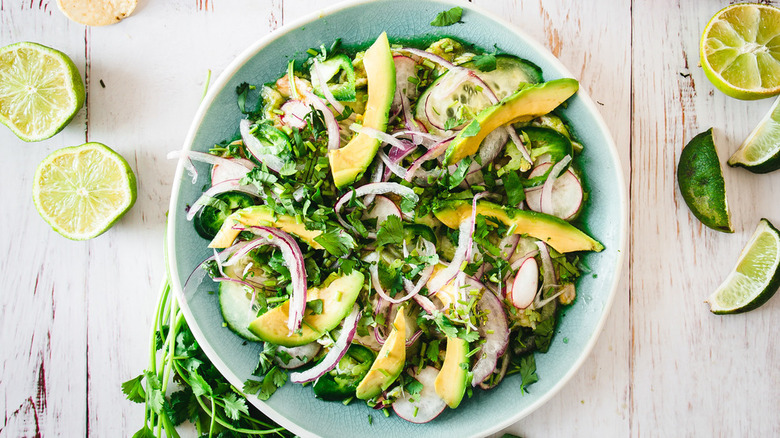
<point x="557" y="233"/>
<point x="262" y="215"/>
<point x="524" y="105"/>
<point x="350" y="162"/>
<point x="338" y="296"/>
<point x="451" y="382"/>
<point x="389" y="361"/>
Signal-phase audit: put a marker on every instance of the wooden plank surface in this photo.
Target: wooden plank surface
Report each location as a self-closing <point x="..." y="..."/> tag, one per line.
<point x="74" y="316"/>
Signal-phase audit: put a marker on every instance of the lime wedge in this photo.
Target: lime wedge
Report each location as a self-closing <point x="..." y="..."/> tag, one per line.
<point x="760" y="152"/>
<point x="701" y="183"/>
<point x="740" y="51"/>
<point x="82" y="190"/>
<point x="755" y="278"/>
<point x="40" y="90"/>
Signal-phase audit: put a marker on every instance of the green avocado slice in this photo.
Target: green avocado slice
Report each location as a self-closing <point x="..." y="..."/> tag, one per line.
<point x="559" y="234"/>
<point x="389" y="361"/>
<point x="262" y="215"/>
<point x="348" y="163"/>
<point x="450" y="383"/>
<point x="524" y="105"/>
<point x="337" y="297"/>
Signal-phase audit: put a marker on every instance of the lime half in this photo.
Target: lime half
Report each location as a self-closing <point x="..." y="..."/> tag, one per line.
<point x="82" y="190"/>
<point x="755" y="278"/>
<point x="760" y="152"/>
<point x="701" y="183"/>
<point x="740" y="51"/>
<point x="40" y="90"/>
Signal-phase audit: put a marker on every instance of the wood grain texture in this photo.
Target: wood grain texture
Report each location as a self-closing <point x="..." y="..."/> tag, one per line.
<point x="693" y="373"/>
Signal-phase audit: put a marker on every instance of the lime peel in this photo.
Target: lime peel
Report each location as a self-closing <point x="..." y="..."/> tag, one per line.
<point x="756" y="276"/>
<point x="81" y="191"/>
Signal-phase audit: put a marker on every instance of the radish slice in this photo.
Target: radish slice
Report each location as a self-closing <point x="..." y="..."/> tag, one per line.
<point x="422" y="407"/>
<point x="295" y="113"/>
<point x="566" y="195"/>
<point x="299" y="356"/>
<point x="334" y="138"/>
<point x="382" y="209"/>
<point x="526" y="284"/>
<point x="495" y="330"/>
<point x="293" y="258"/>
<point x="337" y="351"/>
<point x="405" y="68"/>
<point x="546" y="202"/>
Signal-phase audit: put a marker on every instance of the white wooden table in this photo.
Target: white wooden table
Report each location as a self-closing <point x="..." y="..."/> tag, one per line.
<point x="75" y="316"/>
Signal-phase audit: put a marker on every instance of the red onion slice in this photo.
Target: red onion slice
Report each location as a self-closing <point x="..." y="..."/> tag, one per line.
<point x="334" y="139"/>
<point x="293" y="258"/>
<point x="549" y="278"/>
<point x="225" y="186"/>
<point x="436" y="151"/>
<point x="337" y="351"/>
<point x="254" y="146"/>
<point x="426" y="304"/>
<point x="323" y="85"/>
<point x="546" y="202"/>
<point x="238" y="164"/>
<point x="495" y="330"/>
<point x="448" y="274"/>
<point x="429" y="56"/>
<point x="374" y="270"/>
<point x="379" y="135"/>
<point x="379" y="188"/>
<point x="393" y="167"/>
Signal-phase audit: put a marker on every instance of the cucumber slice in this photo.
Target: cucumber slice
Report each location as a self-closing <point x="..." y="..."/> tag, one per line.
<point x="509" y="75"/>
<point x="547" y="141"/>
<point x="339" y="75"/>
<point x="237" y="309"/>
<point x="451" y="101"/>
<point x="210" y="218"/>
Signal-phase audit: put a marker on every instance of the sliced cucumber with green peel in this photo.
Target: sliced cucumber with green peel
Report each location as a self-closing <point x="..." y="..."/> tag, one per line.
<point x="210" y="218"/>
<point x="339" y="74"/>
<point x="452" y="100"/>
<point x="510" y="74"/>
<point x="238" y="309"/>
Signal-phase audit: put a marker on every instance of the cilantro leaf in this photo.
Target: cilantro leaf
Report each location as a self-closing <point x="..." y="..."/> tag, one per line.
<point x="315" y="306"/>
<point x="199" y="385"/>
<point x="544" y="332"/>
<point x="390" y="232"/>
<point x="183" y="406"/>
<point x="471" y="129"/>
<point x="134" y="390"/>
<point x="457" y="176"/>
<point x="413" y="386"/>
<point x="433" y="351"/>
<point x="336" y="241"/>
<point x="243" y="90"/>
<point x="448" y="17"/>
<point x="273" y="380"/>
<point x="234" y="406"/>
<point x="514" y="188"/>
<point x="528" y="372"/>
<point x="445" y="325"/>
<point x="266" y="358"/>
<point x="145" y="432"/>
<point x="486" y="62"/>
<point x="252" y="386"/>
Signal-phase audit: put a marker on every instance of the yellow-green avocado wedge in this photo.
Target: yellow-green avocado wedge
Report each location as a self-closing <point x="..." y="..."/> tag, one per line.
<point x="338" y="296"/>
<point x="350" y="162"/>
<point x="524" y="105"/>
<point x="451" y="382"/>
<point x="262" y="215"/>
<point x="559" y="234"/>
<point x="389" y="361"/>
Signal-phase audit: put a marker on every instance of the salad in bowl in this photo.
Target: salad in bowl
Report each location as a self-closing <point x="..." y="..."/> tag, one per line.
<point x="396" y="226"/>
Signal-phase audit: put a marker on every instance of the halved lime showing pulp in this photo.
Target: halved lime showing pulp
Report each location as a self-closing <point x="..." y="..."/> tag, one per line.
<point x="40" y="90"/>
<point x="760" y="152"/>
<point x="82" y="190"/>
<point x="755" y="278"/>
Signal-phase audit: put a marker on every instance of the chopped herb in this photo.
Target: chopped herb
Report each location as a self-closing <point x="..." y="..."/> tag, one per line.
<point x="471" y="129"/>
<point x="448" y="17"/>
<point x="391" y="232"/>
<point x="486" y="62"/>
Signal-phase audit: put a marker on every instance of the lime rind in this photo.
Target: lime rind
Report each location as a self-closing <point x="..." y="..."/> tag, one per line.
<point x="760" y="152"/>
<point x="82" y="191"/>
<point x="701" y="183"/>
<point x="740" y="51"/>
<point x="756" y="276"/>
<point x="41" y="90"/>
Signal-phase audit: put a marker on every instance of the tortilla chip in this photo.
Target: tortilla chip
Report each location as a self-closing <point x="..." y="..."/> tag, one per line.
<point x="97" y="12"/>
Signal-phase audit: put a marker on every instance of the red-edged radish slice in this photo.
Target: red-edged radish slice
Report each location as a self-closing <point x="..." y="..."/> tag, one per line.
<point x="295" y="113"/>
<point x="495" y="330"/>
<point x="525" y="285"/>
<point x="299" y="356"/>
<point x="567" y="194"/>
<point x="422" y="407"/>
<point x="405" y="68"/>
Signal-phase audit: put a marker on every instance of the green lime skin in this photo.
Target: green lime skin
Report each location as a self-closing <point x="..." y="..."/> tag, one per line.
<point x="701" y="183"/>
<point x="769" y="290"/>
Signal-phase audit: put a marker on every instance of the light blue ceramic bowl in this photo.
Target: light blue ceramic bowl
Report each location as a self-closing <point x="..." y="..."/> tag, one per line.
<point x="294" y="406"/>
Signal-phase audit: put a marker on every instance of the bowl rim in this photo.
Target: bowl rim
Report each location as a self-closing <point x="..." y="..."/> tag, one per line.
<point x="231" y="69"/>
